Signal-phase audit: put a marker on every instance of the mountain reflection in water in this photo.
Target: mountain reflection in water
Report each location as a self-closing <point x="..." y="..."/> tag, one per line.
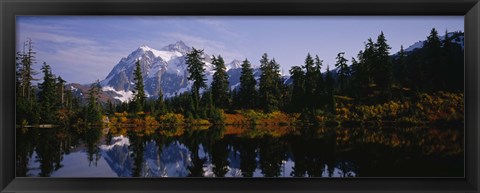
<point x="240" y="152"/>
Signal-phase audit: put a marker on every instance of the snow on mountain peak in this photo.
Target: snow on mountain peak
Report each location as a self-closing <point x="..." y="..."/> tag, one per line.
<point x="141" y="52"/>
<point x="164" y="69"/>
<point x="178" y="46"/>
<point x="145" y="48"/>
<point x="234" y="64"/>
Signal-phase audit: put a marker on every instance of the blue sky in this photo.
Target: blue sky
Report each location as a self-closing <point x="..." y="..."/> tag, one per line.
<point x="83" y="49"/>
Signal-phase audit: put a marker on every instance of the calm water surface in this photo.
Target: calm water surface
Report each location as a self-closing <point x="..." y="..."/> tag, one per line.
<point x="240" y="152"/>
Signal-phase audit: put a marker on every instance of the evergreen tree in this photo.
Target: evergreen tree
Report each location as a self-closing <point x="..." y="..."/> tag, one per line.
<point x="367" y="61"/>
<point x="431" y="69"/>
<point x="433" y="41"/>
<point x="26" y="102"/>
<point x="26" y="72"/>
<point x="207" y="104"/>
<point x="203" y="104"/>
<point x="74" y="105"/>
<point x="310" y="80"/>
<point x="277" y="87"/>
<point x="446" y="60"/>
<point x="343" y="71"/>
<point x="330" y="97"/>
<point x="270" y="84"/>
<point x="160" y="105"/>
<point x="61" y="90"/>
<point x="362" y="70"/>
<point x="353" y="84"/>
<point x="454" y="63"/>
<point x="139" y="88"/>
<point x="235" y="100"/>
<point x="48" y="98"/>
<point x="402" y="76"/>
<point x="266" y="81"/>
<point x="18" y="74"/>
<point x="248" y="93"/>
<point x="93" y="113"/>
<point x="382" y="69"/>
<point x="64" y="112"/>
<point x="320" y="86"/>
<point x="110" y="108"/>
<point x="298" y="101"/>
<point x="219" y="83"/>
<point x="284" y="94"/>
<point x="69" y="99"/>
<point x="196" y="69"/>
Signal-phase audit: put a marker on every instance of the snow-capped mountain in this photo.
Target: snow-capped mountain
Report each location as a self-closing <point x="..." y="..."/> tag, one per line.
<point x="456" y="37"/>
<point x="164" y="69"/>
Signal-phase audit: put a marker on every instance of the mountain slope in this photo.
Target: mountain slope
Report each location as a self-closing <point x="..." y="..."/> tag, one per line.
<point x="455" y="37"/>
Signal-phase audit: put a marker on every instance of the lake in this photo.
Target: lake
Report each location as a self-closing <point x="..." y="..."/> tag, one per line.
<point x="230" y="151"/>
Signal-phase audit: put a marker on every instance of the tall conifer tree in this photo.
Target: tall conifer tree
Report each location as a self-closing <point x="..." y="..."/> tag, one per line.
<point x="382" y="70"/>
<point x="330" y="97"/>
<point x="93" y="112"/>
<point x="431" y="68"/>
<point x="270" y="84"/>
<point x="160" y="105"/>
<point x="320" y="86"/>
<point x="139" y="89"/>
<point x="343" y="71"/>
<point x="195" y="66"/>
<point x="219" y="83"/>
<point x="247" y="92"/>
<point x="48" y="96"/>
<point x="298" y="101"/>
<point x="310" y="80"/>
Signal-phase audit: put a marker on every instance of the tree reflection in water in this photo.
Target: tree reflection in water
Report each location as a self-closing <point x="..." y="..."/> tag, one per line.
<point x="249" y="152"/>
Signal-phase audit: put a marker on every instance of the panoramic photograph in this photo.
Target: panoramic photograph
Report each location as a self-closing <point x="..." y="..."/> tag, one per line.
<point x="240" y="96"/>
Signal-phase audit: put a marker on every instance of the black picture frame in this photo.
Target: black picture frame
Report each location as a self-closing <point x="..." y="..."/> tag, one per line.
<point x="10" y="8"/>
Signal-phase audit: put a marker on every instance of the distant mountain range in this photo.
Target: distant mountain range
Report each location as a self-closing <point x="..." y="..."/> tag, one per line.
<point x="166" y="69"/>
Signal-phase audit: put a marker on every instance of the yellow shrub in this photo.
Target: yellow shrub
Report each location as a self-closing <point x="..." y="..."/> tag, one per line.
<point x="236" y="119"/>
<point x="123" y="120"/>
<point x="172" y="118"/>
<point x="138" y="122"/>
<point x="149" y="120"/>
<point x="113" y="121"/>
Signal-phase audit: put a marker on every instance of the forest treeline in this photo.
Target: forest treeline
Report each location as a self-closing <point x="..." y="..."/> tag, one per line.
<point x="425" y="84"/>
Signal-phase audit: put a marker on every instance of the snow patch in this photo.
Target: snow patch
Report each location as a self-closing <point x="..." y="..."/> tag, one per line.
<point x="124" y="95"/>
<point x="73" y="88"/>
<point x="176" y="66"/>
<point x="416" y="45"/>
<point x="234" y="65"/>
<point x="167" y="56"/>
